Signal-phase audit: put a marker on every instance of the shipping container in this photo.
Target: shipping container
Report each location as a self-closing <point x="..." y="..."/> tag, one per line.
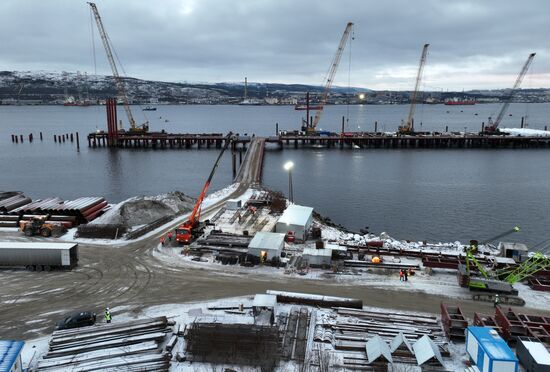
<point x="39" y="256"/>
<point x="532" y="354"/>
<point x="489" y="351"/>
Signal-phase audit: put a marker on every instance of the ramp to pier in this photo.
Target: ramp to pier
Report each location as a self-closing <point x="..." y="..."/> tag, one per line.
<point x="250" y="171"/>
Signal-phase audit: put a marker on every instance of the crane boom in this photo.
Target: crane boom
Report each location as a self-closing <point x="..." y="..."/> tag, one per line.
<point x="492" y="127"/>
<point x="118" y="80"/>
<point x="331" y="74"/>
<point x="408" y="128"/>
<point x="191" y="228"/>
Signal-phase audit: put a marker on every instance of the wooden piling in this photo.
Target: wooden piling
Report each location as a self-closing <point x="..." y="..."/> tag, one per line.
<point x="12" y="138"/>
<point x="77" y="143"/>
<point x="40" y="136"/>
<point x="375" y="127"/>
<point x="21" y="138"/>
<point x="71" y="137"/>
<point x="55" y="137"/>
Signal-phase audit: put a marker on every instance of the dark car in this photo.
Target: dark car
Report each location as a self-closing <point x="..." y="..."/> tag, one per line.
<point x="83" y="319"/>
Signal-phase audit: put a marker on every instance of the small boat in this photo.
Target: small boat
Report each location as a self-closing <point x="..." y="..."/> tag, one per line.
<point x="149" y="108"/>
<point x="356" y="147"/>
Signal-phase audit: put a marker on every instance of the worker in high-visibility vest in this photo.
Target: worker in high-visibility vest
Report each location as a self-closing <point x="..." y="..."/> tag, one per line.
<point x="169" y="236"/>
<point x="497" y="300"/>
<point x="162" y="240"/>
<point x="107" y="315"/>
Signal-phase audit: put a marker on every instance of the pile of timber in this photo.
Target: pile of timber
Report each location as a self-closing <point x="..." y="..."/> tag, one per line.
<point x="132" y="346"/>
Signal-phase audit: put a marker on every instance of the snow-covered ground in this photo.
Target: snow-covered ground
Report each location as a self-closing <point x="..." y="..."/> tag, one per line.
<point x="209" y="311"/>
<point x="526" y="132"/>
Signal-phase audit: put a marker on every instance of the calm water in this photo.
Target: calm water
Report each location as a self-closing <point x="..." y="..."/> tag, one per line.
<point x="417" y="194"/>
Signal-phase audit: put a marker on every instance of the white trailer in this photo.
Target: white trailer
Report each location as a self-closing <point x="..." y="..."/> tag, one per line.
<point x="39" y="256"/>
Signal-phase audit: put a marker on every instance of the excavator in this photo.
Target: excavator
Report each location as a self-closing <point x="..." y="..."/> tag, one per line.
<point x="191" y="229"/>
<point x="408" y="127"/>
<point x="492" y="126"/>
<point x="134" y="128"/>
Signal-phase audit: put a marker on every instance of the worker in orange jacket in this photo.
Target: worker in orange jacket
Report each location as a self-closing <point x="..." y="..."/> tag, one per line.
<point x="162" y="240"/>
<point x="169" y="236"/>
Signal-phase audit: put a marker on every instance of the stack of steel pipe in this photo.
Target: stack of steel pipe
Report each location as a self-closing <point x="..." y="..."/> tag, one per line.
<point x="12" y="202"/>
<point x="71" y="212"/>
<point x="8" y="220"/>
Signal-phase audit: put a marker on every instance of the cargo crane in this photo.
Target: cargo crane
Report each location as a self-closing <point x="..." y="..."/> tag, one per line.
<point x="408" y="128"/>
<point x="193" y="228"/>
<point x="492" y="126"/>
<point x="118" y="80"/>
<point x="310" y="129"/>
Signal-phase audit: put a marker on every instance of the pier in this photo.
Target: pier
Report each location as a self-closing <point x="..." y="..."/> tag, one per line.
<point x="160" y="140"/>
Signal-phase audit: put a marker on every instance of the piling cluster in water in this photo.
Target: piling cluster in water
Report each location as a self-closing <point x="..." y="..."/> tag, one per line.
<point x="57" y="138"/>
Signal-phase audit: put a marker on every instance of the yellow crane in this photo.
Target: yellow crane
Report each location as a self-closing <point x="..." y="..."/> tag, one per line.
<point x="330" y="77"/>
<point x="408" y="128"/>
<point x="143" y="128"/>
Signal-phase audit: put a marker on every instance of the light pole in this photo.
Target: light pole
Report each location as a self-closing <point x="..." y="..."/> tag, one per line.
<point x="288" y="167"/>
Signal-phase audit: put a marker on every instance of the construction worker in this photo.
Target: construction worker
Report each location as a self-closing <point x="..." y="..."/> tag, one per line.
<point x="162" y="240"/>
<point x="107" y="315"/>
<point x="170" y="236"/>
<point x="400" y="275"/>
<point x="406" y="275"/>
<point x="497" y="300"/>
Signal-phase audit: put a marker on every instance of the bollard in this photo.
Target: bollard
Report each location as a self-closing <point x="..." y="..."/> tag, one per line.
<point x="40" y="136"/>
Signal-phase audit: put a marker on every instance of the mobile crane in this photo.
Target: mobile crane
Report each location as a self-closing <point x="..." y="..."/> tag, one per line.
<point x="492" y="126"/>
<point x="143" y="128"/>
<point x="310" y="129"/>
<point x="191" y="229"/>
<point x="408" y="127"/>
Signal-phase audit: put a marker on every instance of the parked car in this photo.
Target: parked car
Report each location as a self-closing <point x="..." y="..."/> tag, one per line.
<point x="77" y="320"/>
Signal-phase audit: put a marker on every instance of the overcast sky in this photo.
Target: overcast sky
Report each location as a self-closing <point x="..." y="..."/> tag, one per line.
<point x="474" y="44"/>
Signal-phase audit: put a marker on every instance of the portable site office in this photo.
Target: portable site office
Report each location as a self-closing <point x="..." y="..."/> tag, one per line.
<point x="489" y="351"/>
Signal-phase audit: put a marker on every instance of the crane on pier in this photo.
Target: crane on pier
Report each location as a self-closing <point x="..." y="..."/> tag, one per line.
<point x="193" y="228"/>
<point x="492" y="126"/>
<point x="408" y="128"/>
<point x="143" y="128"/>
<point x="310" y="129"/>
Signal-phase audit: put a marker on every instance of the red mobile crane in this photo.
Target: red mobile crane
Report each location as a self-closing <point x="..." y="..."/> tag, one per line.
<point x="193" y="228"/>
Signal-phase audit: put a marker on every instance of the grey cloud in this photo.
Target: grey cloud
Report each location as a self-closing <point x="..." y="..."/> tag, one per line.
<point x="283" y="41"/>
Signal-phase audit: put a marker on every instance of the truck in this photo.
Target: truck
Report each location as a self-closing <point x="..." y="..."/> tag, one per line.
<point x="36" y="256"/>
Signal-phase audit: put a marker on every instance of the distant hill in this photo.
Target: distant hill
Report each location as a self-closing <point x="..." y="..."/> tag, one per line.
<point x="54" y="86"/>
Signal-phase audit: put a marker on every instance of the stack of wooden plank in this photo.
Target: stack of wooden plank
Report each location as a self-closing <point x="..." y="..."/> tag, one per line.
<point x="133" y="346"/>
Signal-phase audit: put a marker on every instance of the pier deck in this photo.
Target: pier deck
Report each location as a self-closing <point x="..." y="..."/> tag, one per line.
<point x="159" y="140"/>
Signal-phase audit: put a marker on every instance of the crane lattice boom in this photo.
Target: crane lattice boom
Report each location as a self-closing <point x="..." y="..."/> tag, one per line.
<point x="408" y="128"/>
<point x="494" y="125"/>
<point x="331" y="74"/>
<point x="118" y="80"/>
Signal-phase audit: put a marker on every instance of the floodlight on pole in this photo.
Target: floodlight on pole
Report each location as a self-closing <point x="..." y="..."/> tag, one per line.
<point x="288" y="167"/>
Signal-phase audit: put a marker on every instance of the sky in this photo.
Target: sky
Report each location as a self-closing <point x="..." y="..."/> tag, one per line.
<point x="473" y="44"/>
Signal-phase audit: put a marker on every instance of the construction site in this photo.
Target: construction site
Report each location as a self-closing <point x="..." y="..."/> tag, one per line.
<point x="245" y="279"/>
